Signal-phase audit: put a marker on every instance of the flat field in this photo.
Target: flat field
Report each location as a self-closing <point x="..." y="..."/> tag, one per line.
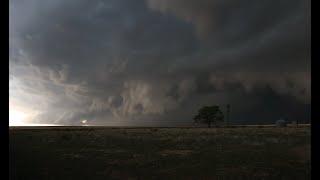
<point x="91" y="153"/>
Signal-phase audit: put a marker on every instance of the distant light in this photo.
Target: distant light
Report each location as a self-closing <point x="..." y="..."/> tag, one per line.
<point x="84" y="121"/>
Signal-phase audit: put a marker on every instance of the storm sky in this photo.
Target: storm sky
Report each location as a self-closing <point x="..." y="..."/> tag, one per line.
<point x="156" y="62"/>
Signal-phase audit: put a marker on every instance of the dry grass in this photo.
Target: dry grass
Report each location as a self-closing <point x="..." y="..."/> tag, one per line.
<point x="160" y="153"/>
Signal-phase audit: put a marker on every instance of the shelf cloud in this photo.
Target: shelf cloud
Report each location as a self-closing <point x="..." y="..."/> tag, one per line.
<point x="155" y="62"/>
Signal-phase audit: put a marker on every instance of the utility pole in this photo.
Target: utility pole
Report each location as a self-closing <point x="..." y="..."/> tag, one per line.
<point x="228" y="114"/>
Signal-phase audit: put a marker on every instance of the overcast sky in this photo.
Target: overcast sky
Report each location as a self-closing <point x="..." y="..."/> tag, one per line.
<point x="156" y="62"/>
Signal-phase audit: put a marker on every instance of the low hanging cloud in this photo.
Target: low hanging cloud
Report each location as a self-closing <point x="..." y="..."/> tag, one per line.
<point x="155" y="62"/>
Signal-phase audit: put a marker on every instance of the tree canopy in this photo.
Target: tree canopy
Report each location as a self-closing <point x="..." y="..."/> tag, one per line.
<point x="209" y="115"/>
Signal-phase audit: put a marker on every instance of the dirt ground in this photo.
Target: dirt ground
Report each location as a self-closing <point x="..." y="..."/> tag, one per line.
<point x="160" y="153"/>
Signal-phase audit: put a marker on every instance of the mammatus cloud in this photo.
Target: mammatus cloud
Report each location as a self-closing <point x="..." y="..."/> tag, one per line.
<point x="155" y="62"/>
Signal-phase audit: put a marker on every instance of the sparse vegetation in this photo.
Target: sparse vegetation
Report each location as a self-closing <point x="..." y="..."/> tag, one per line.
<point x="160" y="153"/>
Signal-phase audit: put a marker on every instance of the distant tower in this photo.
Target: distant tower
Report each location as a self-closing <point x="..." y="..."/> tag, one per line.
<point x="228" y="114"/>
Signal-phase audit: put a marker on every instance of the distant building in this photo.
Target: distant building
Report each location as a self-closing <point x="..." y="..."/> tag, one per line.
<point x="281" y="123"/>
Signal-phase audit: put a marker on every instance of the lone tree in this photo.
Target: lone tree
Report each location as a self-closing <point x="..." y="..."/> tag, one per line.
<point x="209" y="115"/>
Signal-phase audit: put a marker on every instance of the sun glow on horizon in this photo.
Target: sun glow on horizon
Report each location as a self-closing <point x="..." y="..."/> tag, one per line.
<point x="17" y="118"/>
<point x="22" y="118"/>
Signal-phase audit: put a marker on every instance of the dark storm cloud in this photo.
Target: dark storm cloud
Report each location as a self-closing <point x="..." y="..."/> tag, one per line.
<point x="135" y="62"/>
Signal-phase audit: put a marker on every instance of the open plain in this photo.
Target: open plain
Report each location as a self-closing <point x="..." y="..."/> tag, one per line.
<point x="159" y="153"/>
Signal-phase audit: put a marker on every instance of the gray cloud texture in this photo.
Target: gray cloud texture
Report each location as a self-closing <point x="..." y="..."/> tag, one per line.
<point x="155" y="62"/>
